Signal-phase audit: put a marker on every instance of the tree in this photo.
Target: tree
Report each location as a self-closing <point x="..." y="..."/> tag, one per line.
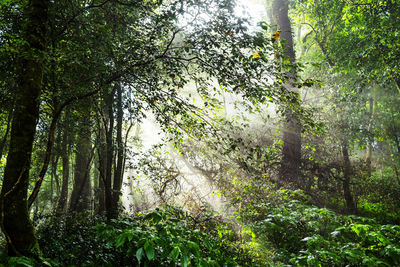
<point x="291" y="151"/>
<point x="142" y="46"/>
<point x="65" y="155"/>
<point x="81" y="192"/>
<point x="354" y="55"/>
<point x="15" y="222"/>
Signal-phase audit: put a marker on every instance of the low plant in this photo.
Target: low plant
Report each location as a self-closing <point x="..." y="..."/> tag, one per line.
<point x="304" y="235"/>
<point x="161" y="237"/>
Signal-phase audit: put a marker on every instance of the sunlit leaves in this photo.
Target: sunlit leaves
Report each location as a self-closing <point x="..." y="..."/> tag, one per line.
<point x="173" y="238"/>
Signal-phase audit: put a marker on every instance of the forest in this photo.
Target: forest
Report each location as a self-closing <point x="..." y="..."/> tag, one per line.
<point x="200" y="133"/>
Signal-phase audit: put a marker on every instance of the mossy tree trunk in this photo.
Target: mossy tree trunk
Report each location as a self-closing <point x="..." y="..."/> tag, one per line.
<point x="15" y="221"/>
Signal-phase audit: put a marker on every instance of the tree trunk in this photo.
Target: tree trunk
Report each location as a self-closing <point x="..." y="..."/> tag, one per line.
<point x="4" y="139"/>
<point x="109" y="102"/>
<point x="102" y="170"/>
<point x="291" y="151"/>
<point x="15" y="222"/>
<point x="351" y="207"/>
<point x="63" y="200"/>
<point x="368" y="157"/>
<point x="54" y="174"/>
<point x="96" y="174"/>
<point x="118" y="170"/>
<point x="81" y="192"/>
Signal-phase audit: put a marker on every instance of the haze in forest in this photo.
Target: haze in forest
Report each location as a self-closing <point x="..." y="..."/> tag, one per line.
<point x="199" y="133"/>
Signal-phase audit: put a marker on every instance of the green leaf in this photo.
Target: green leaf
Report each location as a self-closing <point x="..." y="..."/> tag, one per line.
<point x="149" y="249"/>
<point x="194" y="248"/>
<point x="175" y="253"/>
<point x="185" y="260"/>
<point x="120" y="240"/>
<point x="139" y="254"/>
<point x="207" y="244"/>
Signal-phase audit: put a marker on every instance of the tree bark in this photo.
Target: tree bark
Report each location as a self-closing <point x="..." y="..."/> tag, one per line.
<point x="63" y="200"/>
<point x="102" y="152"/>
<point x="81" y="192"/>
<point x="118" y="170"/>
<point x="54" y="183"/>
<point x="368" y="157"/>
<point x="15" y="222"/>
<point x="108" y="196"/>
<point x="4" y="140"/>
<point x="291" y="151"/>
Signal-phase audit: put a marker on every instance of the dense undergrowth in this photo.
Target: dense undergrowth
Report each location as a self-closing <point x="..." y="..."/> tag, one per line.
<point x="283" y="230"/>
<point x="162" y="237"/>
<point x="305" y="235"/>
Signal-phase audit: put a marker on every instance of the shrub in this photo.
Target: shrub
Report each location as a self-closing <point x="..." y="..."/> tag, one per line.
<point x="305" y="235"/>
<point x="162" y="237"/>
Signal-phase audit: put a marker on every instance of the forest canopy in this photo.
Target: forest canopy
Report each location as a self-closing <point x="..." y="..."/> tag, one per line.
<point x="182" y="133"/>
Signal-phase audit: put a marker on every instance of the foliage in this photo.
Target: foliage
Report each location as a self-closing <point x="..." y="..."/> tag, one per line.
<point x="25" y="261"/>
<point x="152" y="51"/>
<point x="163" y="237"/>
<point x="304" y="235"/>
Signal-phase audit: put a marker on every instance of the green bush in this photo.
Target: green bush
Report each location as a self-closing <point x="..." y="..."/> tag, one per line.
<point x="304" y="235"/>
<point x="163" y="237"/>
<point x="168" y="237"/>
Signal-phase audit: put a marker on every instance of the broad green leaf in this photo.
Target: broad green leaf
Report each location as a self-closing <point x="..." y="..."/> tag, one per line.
<point x="120" y="240"/>
<point x="149" y="249"/>
<point x="175" y="253"/>
<point x="139" y="254"/>
<point x="185" y="260"/>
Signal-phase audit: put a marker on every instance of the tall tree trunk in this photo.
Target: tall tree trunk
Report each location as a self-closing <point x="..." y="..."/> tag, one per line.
<point x="81" y="192"/>
<point x="102" y="151"/>
<point x="291" y="151"/>
<point x="51" y="184"/>
<point x="351" y="207"/>
<point x="15" y="222"/>
<point x="96" y="174"/>
<point x="368" y="157"/>
<point x="54" y="175"/>
<point x="109" y="102"/>
<point x="118" y="170"/>
<point x="63" y="200"/>
<point x="4" y="139"/>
